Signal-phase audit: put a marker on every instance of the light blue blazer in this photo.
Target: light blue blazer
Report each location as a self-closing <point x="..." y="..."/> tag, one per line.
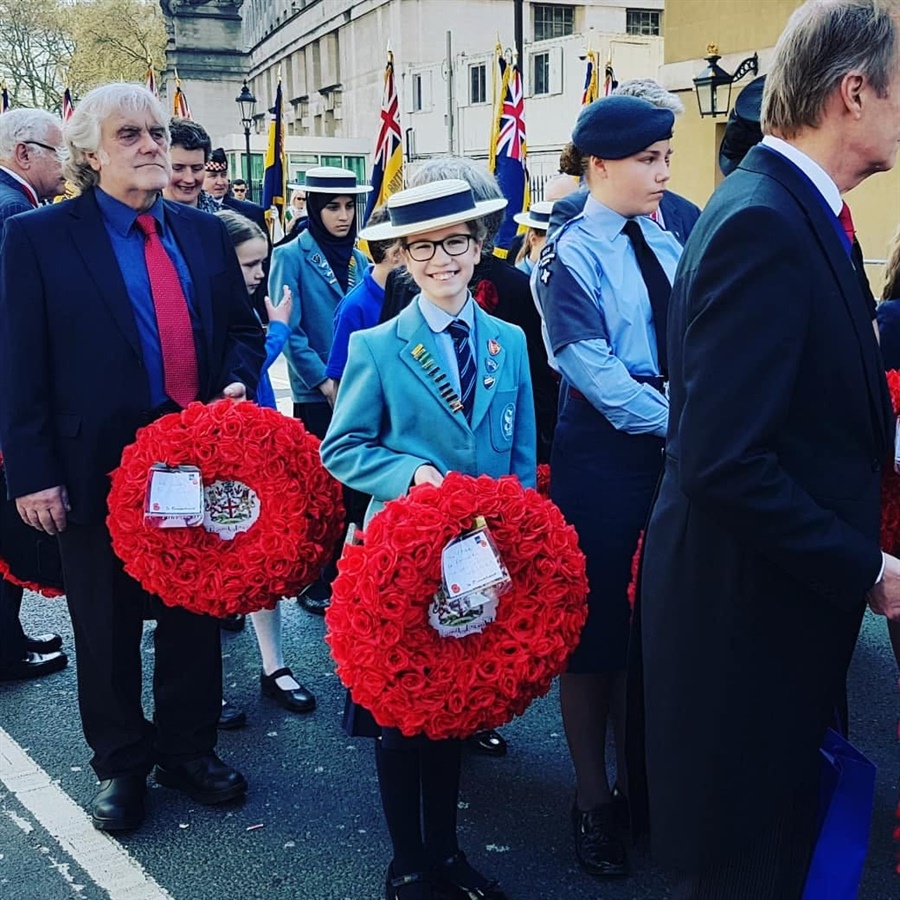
<point x="390" y="417"/>
<point x="302" y="266"/>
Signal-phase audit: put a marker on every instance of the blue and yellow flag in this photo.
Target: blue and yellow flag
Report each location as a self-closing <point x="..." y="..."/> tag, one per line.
<point x="591" y="80"/>
<point x="387" y="164"/>
<point x="274" y="175"/>
<point x="508" y="148"/>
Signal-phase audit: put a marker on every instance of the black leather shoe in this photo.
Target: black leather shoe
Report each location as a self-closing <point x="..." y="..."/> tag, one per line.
<point x="119" y="805"/>
<point x="34" y="665"/>
<point x="621" y="810"/>
<point x="43" y="643"/>
<point x="599" y="850"/>
<point x="460" y="881"/>
<point x="231" y="717"/>
<point x="316" y="598"/>
<point x="487" y="743"/>
<point x="235" y="622"/>
<point x="299" y="700"/>
<point x="206" y="780"/>
<point x="414" y="886"/>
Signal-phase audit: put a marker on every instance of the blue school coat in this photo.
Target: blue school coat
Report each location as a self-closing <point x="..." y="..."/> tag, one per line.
<point x="390" y="417"/>
<point x="302" y="266"/>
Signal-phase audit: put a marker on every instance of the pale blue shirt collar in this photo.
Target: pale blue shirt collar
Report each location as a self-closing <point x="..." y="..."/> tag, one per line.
<point x="810" y="168"/>
<point x="438" y="320"/>
<point x="608" y="223"/>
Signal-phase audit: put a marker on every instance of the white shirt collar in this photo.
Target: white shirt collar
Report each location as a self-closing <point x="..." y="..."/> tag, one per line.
<point x="31" y="191"/>
<point x="810" y="168"/>
<point x="438" y="320"/>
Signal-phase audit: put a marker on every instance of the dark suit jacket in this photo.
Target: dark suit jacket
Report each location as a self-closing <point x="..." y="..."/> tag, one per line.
<point x="74" y="386"/>
<point x="12" y="199"/>
<point x="764" y="538"/>
<point x="678" y="213"/>
<point x="888" y="315"/>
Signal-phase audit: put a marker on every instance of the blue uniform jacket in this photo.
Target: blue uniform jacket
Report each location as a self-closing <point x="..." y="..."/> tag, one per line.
<point x="390" y="418"/>
<point x="302" y="266"/>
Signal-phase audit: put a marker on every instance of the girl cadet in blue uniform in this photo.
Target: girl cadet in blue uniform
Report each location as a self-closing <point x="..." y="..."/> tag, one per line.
<point x="320" y="267"/>
<point x="603" y="283"/>
<point x="394" y="428"/>
<point x="537" y="221"/>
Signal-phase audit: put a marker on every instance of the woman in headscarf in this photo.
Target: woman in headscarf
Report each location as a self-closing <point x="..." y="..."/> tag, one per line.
<point x="320" y="267"/>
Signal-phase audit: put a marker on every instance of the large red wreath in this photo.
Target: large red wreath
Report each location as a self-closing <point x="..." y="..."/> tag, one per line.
<point x="890" y="483"/>
<point x="300" y="518"/>
<point x="6" y="572"/>
<point x="392" y="660"/>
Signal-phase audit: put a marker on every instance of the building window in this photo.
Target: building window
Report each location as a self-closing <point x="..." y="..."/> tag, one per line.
<point x="643" y="21"/>
<point x="540" y="73"/>
<point x="357" y="165"/>
<point x="417" y="93"/>
<point x="552" y="21"/>
<point x="478" y="83"/>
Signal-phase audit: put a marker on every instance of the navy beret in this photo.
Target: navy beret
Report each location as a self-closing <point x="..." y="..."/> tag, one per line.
<point x="618" y="126"/>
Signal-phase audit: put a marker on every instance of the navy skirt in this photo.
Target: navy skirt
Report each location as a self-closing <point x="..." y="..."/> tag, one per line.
<point x="603" y="480"/>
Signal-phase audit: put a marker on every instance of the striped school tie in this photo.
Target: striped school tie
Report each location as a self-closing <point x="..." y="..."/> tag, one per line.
<point x="459" y="332"/>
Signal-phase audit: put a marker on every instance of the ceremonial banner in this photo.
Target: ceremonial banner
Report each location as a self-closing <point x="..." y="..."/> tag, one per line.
<point x="151" y="80"/>
<point x="591" y="80"/>
<point x="609" y="78"/>
<point x="387" y="165"/>
<point x="4" y="98"/>
<point x="274" y="176"/>
<point x="508" y="148"/>
<point x="68" y="107"/>
<point x="180" y="107"/>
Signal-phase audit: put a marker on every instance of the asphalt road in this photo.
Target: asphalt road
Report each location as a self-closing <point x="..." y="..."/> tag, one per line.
<point x="310" y="828"/>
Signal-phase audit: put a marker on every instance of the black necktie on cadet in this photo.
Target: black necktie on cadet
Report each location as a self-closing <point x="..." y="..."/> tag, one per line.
<point x="658" y="287"/>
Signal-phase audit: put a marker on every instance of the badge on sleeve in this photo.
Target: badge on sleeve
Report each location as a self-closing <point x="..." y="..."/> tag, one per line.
<point x="506" y="420"/>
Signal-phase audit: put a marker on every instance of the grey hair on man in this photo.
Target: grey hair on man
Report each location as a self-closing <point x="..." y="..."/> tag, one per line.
<point x="25" y="126"/>
<point x="83" y="130"/>
<point x="824" y="41"/>
<point x="484" y="187"/>
<point x="651" y="91"/>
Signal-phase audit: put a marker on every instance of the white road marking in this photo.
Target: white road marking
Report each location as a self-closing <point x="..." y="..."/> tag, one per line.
<point x="103" y="859"/>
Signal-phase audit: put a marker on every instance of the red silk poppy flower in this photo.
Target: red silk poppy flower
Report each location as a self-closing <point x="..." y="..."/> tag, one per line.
<point x="6" y="572"/>
<point x="245" y="453"/>
<point x="890" y="483"/>
<point x="543" y="479"/>
<point x="397" y="665"/>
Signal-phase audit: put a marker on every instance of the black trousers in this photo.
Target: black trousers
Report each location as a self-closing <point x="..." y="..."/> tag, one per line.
<point x="12" y="637"/>
<point x="107" y="609"/>
<point x="771" y="867"/>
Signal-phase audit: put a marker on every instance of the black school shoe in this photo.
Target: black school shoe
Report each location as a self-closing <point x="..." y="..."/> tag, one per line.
<point x="414" y="886"/>
<point x="460" y="881"/>
<point x="487" y="743"/>
<point x="316" y="598"/>
<point x="599" y="849"/>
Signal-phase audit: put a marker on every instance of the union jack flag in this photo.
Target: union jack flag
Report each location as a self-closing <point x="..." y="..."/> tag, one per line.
<point x="387" y="164"/>
<point x="68" y="107"/>
<point x="509" y="148"/>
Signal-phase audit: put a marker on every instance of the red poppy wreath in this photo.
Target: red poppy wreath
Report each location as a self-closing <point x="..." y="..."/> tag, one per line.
<point x="272" y="514"/>
<point x="393" y="659"/>
<point x="20" y="542"/>
<point x="890" y="483"/>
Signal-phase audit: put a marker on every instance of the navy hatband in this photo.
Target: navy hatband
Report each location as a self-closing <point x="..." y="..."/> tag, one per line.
<point x="539" y="217"/>
<point x="427" y="210"/>
<point x="335" y="182"/>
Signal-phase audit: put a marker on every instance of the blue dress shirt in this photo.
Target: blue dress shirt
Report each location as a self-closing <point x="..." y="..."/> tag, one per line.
<point x="438" y="321"/>
<point x="599" y="320"/>
<point x="128" y="245"/>
<point x="360" y="308"/>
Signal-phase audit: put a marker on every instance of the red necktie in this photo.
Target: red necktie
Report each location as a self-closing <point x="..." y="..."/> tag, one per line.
<point x="176" y="337"/>
<point x="846" y="221"/>
<point x="29" y="193"/>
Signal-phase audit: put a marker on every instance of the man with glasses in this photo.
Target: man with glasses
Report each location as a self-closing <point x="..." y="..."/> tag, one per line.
<point x="30" y="172"/>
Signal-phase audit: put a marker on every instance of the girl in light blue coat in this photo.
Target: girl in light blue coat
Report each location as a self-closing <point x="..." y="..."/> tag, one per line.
<point x="393" y="428"/>
<point x="320" y="267"/>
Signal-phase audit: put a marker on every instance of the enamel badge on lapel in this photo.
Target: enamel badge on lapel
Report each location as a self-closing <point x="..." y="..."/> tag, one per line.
<point x="433" y="371"/>
<point x="493" y="347"/>
<point x="316" y="259"/>
<point x="489" y="382"/>
<point x="491" y="364"/>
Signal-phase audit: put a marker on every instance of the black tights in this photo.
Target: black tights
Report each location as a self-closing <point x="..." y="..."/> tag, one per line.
<point x="419" y="783"/>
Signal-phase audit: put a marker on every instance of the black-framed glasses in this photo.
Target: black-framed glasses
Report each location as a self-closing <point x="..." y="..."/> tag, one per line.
<point x="44" y="146"/>
<point x="453" y="245"/>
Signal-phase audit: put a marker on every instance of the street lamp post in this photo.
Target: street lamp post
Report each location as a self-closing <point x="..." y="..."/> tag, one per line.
<point x="714" y="79"/>
<point x="247" y="103"/>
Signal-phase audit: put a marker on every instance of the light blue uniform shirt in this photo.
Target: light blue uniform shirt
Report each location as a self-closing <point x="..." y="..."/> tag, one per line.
<point x="438" y="321"/>
<point x="599" y="322"/>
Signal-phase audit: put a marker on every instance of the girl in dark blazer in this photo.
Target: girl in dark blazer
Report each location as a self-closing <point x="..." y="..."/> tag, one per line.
<point x="382" y="440"/>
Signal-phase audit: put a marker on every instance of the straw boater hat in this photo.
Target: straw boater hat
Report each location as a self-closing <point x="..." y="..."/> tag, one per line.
<point x="332" y="180"/>
<point x="429" y="207"/>
<point x="537" y="217"/>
